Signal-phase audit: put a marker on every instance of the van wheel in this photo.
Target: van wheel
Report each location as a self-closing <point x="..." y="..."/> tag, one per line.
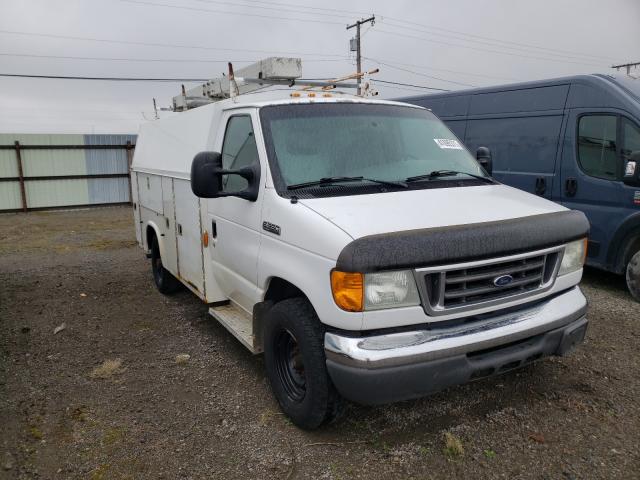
<point x="296" y="365"/>
<point x="165" y="282"/>
<point x="633" y="276"/>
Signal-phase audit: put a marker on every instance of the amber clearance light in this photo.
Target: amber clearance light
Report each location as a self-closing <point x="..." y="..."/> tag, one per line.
<point x="348" y="290"/>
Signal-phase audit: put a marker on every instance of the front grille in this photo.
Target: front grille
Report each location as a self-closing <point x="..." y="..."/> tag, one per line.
<point x="467" y="285"/>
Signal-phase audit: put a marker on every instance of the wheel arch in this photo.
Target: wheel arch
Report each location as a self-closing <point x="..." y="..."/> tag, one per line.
<point x="277" y="289"/>
<point x="152" y="230"/>
<point x="625" y="242"/>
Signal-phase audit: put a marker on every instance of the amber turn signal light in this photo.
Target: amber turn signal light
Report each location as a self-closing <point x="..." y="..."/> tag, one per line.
<point x="348" y="290"/>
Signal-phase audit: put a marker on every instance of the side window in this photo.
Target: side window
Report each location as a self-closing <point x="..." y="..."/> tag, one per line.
<point x="238" y="150"/>
<point x="631" y="136"/>
<point x="597" y="150"/>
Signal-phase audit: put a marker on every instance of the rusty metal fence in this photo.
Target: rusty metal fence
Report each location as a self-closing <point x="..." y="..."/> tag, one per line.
<point x="60" y="175"/>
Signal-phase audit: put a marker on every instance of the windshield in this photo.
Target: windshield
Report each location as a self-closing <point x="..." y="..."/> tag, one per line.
<point x="382" y="142"/>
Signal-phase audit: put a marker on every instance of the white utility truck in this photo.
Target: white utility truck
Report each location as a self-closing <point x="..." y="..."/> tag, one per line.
<point x="354" y="241"/>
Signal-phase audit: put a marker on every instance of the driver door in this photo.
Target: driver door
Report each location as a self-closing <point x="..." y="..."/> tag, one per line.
<point x="234" y="223"/>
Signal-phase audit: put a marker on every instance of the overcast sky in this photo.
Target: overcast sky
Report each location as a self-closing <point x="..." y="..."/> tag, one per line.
<point x="441" y="44"/>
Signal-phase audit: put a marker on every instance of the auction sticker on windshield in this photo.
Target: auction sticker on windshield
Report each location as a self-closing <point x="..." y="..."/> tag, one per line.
<point x="448" y="143"/>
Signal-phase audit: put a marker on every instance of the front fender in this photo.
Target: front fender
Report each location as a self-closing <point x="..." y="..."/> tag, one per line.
<point x="308" y="272"/>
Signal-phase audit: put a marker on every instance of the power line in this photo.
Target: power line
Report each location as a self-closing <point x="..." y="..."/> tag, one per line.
<point x="552" y="51"/>
<point x="137" y="79"/>
<point x="223" y="12"/>
<point x="409" y="85"/>
<point x="344" y="13"/>
<point x="424" y="74"/>
<point x="272" y="8"/>
<point x="164" y="45"/>
<point x="429" y="27"/>
<point x="347" y="12"/>
<point x="492" y="44"/>
<point x="159" y="60"/>
<point x="106" y="79"/>
<point x="482" y="49"/>
<point x="460" y="72"/>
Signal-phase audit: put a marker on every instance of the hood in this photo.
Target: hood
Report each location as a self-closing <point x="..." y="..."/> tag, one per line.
<point x="362" y="215"/>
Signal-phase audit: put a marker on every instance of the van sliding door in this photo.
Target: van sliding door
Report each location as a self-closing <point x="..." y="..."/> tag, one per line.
<point x="523" y="149"/>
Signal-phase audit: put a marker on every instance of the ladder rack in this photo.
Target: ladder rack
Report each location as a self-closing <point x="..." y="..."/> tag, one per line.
<point x="270" y="71"/>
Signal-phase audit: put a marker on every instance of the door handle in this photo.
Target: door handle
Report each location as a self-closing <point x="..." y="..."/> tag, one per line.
<point x="541" y="186"/>
<point x="571" y="187"/>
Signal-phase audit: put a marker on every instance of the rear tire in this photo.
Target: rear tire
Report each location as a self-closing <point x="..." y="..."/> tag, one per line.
<point x="296" y="364"/>
<point x="633" y="276"/>
<point x="165" y="282"/>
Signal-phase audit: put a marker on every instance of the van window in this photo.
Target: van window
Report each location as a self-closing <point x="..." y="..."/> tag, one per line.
<point x="597" y="151"/>
<point x="238" y="150"/>
<point x="631" y="137"/>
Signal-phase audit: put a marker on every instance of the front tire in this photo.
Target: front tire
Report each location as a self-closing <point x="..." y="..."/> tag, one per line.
<point x="165" y="282"/>
<point x="296" y="364"/>
<point x="633" y="276"/>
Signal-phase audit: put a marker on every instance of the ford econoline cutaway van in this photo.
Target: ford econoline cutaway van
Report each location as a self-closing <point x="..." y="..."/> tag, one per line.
<point x="357" y="244"/>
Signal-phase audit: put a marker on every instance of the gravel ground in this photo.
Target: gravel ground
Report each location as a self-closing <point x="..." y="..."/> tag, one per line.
<point x="110" y="395"/>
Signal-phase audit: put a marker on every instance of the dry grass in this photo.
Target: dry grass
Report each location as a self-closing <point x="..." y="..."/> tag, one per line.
<point x="452" y="446"/>
<point x="107" y="369"/>
<point x="182" y="358"/>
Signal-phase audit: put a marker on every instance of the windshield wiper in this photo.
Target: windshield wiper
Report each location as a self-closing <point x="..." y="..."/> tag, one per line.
<point x="332" y="180"/>
<point x="446" y="173"/>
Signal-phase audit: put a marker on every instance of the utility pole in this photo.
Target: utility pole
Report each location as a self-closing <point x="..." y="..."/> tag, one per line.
<point x="371" y="19"/>
<point x="627" y="66"/>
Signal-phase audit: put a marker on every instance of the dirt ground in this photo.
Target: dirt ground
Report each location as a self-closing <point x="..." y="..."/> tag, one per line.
<point x="107" y="398"/>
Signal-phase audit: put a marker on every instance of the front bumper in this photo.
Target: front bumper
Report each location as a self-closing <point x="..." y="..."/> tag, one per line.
<point x="399" y="366"/>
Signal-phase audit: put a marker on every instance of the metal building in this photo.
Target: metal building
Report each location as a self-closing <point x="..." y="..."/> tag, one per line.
<point x="52" y="171"/>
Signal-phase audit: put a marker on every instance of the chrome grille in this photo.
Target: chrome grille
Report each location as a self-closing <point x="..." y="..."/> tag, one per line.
<point x="474" y="284"/>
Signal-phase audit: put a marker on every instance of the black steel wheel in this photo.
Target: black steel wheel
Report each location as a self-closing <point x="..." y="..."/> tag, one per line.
<point x="290" y="365"/>
<point x="296" y="365"/>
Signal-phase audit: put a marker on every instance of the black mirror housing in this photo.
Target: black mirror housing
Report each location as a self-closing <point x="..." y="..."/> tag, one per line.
<point x="632" y="170"/>
<point x="483" y="156"/>
<point x="207" y="173"/>
<point x="205" y="183"/>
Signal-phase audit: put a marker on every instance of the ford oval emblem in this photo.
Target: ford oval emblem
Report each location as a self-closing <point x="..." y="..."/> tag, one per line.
<point x="502" y="280"/>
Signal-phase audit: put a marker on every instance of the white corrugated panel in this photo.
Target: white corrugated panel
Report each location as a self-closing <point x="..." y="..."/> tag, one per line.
<point x="10" y="196"/>
<point x="56" y="193"/>
<point x="64" y="192"/>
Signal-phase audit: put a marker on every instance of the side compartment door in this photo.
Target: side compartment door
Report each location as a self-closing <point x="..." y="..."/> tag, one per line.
<point x="188" y="239"/>
<point x="591" y="175"/>
<point x="235" y="223"/>
<point x="136" y="207"/>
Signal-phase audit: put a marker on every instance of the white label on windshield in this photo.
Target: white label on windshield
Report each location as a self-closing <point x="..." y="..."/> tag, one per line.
<point x="448" y="143"/>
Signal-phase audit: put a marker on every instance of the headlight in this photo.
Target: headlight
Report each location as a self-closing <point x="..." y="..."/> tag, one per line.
<point x="390" y="289"/>
<point x="573" y="256"/>
<point x="357" y="292"/>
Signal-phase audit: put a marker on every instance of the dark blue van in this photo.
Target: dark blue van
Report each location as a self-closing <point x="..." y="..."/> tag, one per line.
<point x="575" y="140"/>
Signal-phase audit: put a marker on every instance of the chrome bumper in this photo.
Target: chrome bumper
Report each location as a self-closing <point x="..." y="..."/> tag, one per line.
<point x="414" y="347"/>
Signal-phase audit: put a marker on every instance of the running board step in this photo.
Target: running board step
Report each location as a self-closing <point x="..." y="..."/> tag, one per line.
<point x="239" y="323"/>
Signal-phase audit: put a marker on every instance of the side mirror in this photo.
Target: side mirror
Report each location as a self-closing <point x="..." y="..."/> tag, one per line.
<point x="207" y="177"/>
<point x="483" y="156"/>
<point x="632" y="169"/>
